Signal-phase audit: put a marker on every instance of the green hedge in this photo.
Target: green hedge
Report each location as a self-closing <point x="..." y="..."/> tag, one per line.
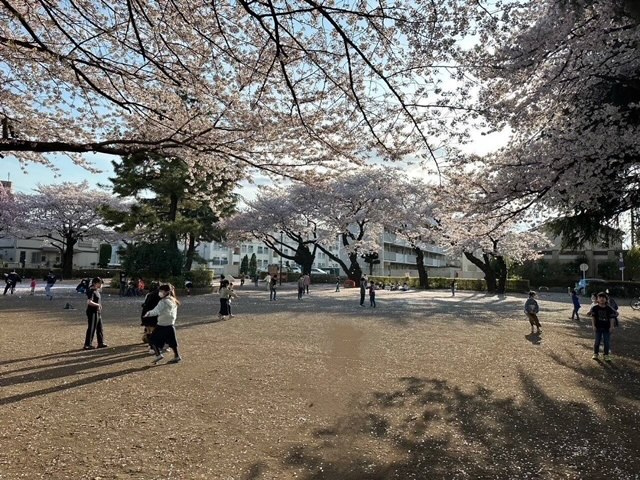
<point x="617" y="288"/>
<point x="473" y="284"/>
<point x="200" y="279"/>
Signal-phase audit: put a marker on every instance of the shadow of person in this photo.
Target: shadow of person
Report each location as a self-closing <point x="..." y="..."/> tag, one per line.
<point x="534" y="338"/>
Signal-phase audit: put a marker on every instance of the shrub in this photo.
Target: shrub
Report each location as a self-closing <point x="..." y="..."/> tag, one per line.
<point x="473" y="284"/>
<point x="617" y="288"/>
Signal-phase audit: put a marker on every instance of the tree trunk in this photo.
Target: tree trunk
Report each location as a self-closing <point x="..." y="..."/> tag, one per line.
<point x="305" y="257"/>
<point x="485" y="266"/>
<point x="191" y="250"/>
<point x="173" y="214"/>
<point x="354" y="272"/>
<point x="422" y="271"/>
<point x="67" y="257"/>
<point x="502" y="274"/>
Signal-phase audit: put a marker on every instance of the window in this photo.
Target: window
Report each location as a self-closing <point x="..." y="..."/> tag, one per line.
<point x="224" y="261"/>
<point x="243" y="249"/>
<point x="260" y="250"/>
<point x="250" y="248"/>
<point x="34" y="257"/>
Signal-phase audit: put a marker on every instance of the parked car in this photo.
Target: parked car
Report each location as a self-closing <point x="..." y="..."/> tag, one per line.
<point x="318" y="271"/>
<point x="583" y="283"/>
<point x="295" y="270"/>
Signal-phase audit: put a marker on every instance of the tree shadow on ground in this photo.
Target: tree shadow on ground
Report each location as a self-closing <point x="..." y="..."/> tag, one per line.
<point x="428" y="428"/>
<point x="69" y="366"/>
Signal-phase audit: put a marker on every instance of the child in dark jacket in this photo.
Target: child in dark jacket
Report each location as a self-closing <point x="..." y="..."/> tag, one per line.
<point x="576" y="304"/>
<point x="531" y="309"/>
<point x="602" y="319"/>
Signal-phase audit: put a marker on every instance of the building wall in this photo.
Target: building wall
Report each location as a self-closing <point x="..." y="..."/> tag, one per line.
<point x="40" y="254"/>
<point x="397" y="258"/>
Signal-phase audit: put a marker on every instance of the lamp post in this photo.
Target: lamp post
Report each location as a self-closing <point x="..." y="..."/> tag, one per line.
<point x="281" y="249"/>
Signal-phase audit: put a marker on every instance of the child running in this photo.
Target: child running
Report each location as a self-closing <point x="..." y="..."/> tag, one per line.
<point x="165" y="331"/>
<point x="576" y="305"/>
<point x="531" y="308"/>
<point x="602" y="319"/>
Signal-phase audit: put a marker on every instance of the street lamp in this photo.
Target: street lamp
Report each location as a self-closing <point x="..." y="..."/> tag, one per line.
<point x="281" y="249"/>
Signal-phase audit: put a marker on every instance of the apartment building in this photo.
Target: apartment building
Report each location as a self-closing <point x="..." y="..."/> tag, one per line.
<point x="396" y="259"/>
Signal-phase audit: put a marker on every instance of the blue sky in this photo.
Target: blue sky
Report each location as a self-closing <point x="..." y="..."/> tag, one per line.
<point x="25" y="178"/>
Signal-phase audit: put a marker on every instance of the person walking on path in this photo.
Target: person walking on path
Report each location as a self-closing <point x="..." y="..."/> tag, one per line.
<point x="531" y="308"/>
<point x="453" y="287"/>
<point x="576" y="304"/>
<point x="300" y="287"/>
<point x="165" y="331"/>
<point x="33" y="286"/>
<point x="225" y="294"/>
<point x="267" y="281"/>
<point x="273" y="284"/>
<point x="307" y="282"/>
<point x="602" y="320"/>
<point x="338" y="284"/>
<point x="372" y="295"/>
<point x="94" y="315"/>
<point x="50" y="282"/>
<point x="363" y="290"/>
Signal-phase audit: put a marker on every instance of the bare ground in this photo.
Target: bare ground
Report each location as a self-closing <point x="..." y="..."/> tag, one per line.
<point x="425" y="386"/>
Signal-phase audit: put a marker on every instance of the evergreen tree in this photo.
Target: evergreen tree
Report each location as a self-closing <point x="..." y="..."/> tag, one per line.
<point x="244" y="265"/>
<point x="104" y="255"/>
<point x="253" y="265"/>
<point x="181" y="209"/>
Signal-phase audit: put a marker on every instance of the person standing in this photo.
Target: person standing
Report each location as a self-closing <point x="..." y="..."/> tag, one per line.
<point x="149" y="322"/>
<point x="242" y="280"/>
<point x="225" y="294"/>
<point x="602" y="320"/>
<point x="267" y="281"/>
<point x="33" y="286"/>
<point x="11" y="281"/>
<point x="337" y="284"/>
<point x="123" y="283"/>
<point x="300" y="287"/>
<point x="165" y="331"/>
<point x="613" y="304"/>
<point x="453" y="287"/>
<point x="363" y="290"/>
<point x="94" y="315"/>
<point x="272" y="289"/>
<point x="307" y="282"/>
<point x="372" y="294"/>
<point x="575" y="299"/>
<point x="531" y="308"/>
<point x="50" y="282"/>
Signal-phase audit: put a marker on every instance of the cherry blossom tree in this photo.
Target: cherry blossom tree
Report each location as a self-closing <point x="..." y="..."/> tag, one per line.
<point x="345" y="210"/>
<point x="486" y="240"/>
<point x="561" y="78"/>
<point x="414" y="219"/>
<point x="268" y="85"/>
<point x="64" y="214"/>
<point x="8" y="211"/>
<point x="276" y="210"/>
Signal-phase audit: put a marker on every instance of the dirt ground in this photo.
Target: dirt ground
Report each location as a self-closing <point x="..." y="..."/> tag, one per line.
<point x="425" y="386"/>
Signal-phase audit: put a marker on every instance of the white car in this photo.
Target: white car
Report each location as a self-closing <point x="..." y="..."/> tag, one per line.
<point x="317" y="271"/>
